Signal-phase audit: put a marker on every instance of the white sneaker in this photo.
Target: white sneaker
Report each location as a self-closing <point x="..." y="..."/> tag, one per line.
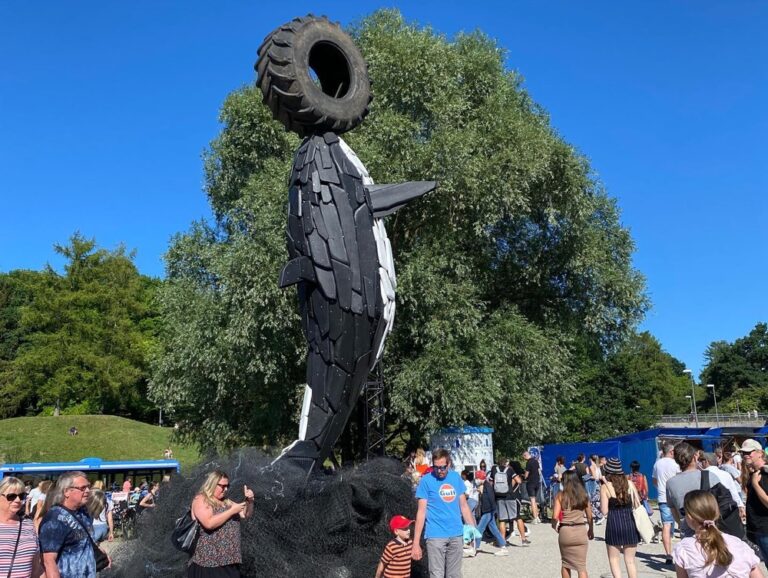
<point x="515" y="532"/>
<point x="469" y="552"/>
<point x="599" y="522"/>
<point x="537" y="520"/>
<point x="502" y="552"/>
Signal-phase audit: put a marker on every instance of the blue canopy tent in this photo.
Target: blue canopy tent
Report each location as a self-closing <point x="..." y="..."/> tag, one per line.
<point x="569" y="451"/>
<point x="642" y="446"/>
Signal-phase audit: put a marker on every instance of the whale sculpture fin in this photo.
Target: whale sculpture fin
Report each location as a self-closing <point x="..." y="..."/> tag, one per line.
<point x="295" y="270"/>
<point x="386" y="199"/>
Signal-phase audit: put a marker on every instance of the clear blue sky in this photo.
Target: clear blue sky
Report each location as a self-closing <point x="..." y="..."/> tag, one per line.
<point x="106" y="107"/>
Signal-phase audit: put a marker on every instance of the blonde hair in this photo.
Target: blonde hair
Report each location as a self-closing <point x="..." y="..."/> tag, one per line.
<point x="96" y="503"/>
<point x="209" y="487"/>
<point x="421" y="457"/>
<point x="701" y="506"/>
<point x="97" y="485"/>
<point x="11" y="483"/>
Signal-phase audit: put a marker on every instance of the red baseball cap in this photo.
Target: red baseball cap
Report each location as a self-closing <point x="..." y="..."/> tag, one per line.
<point x="399" y="523"/>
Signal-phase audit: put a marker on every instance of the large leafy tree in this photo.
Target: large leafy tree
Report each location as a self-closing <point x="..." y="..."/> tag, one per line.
<point x="626" y="390"/>
<point x="739" y="371"/>
<point x="516" y="257"/>
<point x="83" y="336"/>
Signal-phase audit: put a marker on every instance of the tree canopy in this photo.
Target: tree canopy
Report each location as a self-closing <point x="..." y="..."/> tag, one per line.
<point x="78" y="339"/>
<point x="626" y="390"/>
<point x="739" y="372"/>
<point x="517" y="256"/>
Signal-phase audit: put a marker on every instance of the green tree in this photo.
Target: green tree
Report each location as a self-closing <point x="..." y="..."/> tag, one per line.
<point x="86" y="336"/>
<point x="626" y="390"/>
<point x="517" y="256"/>
<point x="739" y="371"/>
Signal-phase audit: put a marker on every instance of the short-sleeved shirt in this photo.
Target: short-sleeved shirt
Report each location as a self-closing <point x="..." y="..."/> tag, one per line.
<point x="663" y="470"/>
<point x="757" y="513"/>
<point x="60" y="532"/>
<point x="27" y="550"/>
<point x="688" y="554"/>
<point x="734" y="473"/>
<point x="397" y="559"/>
<point x="679" y="486"/>
<point x="443" y="509"/>
<point x="510" y="475"/>
<point x="33" y="497"/>
<point x="533" y="469"/>
<point x="470" y="490"/>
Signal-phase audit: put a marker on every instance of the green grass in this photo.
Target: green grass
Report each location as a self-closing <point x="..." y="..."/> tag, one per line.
<point x="47" y="439"/>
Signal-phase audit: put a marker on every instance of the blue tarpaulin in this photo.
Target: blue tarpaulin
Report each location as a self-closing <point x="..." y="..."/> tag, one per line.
<point x="642" y="446"/>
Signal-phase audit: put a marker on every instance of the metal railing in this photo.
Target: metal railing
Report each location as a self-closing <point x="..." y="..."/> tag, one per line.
<point x="723" y="418"/>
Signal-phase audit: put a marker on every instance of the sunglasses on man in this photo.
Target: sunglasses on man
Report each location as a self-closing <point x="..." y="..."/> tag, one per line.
<point x="12" y="497"/>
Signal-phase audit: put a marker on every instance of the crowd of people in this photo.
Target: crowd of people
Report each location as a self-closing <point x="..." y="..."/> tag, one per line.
<point x="719" y="501"/>
<point x="55" y="530"/>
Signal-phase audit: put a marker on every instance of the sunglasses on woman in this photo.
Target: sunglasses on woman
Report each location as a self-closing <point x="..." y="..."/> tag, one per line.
<point x="12" y="497"/>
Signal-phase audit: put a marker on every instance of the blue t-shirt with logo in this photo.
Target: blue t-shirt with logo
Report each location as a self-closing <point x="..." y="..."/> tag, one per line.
<point x="443" y="510"/>
<point x="61" y="533"/>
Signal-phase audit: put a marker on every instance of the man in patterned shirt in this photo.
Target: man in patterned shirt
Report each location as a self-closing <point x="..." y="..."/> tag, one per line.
<point x="64" y="532"/>
<point x="396" y="560"/>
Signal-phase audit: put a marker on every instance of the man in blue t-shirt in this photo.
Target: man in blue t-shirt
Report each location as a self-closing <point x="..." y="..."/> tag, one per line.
<point x="442" y="505"/>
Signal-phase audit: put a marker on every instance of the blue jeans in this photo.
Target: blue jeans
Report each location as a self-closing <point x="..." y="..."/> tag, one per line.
<point x="100" y="531"/>
<point x="472" y="503"/>
<point x="762" y="542"/>
<point x="555" y="490"/>
<point x="488" y="520"/>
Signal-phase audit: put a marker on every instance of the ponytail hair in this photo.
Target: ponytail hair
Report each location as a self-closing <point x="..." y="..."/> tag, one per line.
<point x="702" y="508"/>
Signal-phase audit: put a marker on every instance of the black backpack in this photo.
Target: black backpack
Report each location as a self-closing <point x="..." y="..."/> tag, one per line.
<point x="730" y="518"/>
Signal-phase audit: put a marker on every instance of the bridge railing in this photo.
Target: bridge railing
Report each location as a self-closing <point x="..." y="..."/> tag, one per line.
<point x="725" y="419"/>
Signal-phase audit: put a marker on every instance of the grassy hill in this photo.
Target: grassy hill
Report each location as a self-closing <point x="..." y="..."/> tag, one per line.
<point x="47" y="439"/>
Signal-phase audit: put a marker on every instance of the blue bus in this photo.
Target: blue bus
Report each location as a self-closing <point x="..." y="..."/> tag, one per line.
<point x="96" y="469"/>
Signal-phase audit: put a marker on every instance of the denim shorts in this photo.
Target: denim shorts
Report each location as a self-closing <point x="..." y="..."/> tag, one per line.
<point x="666" y="513"/>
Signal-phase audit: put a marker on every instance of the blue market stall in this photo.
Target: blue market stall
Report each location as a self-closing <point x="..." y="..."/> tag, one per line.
<point x="642" y="446"/>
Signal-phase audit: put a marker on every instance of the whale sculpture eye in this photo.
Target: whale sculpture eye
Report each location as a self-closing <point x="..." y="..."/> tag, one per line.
<point x="313" y="77"/>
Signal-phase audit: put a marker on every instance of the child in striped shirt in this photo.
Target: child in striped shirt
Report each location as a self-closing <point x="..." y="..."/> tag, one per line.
<point x="396" y="560"/>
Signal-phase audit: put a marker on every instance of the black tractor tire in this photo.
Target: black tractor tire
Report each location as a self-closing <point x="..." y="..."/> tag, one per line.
<point x="338" y="96"/>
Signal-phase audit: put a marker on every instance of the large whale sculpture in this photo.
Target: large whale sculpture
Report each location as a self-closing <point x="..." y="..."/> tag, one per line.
<point x="340" y="256"/>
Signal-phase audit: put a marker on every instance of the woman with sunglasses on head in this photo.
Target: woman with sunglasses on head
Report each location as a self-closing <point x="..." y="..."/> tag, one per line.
<point x="218" y="553"/>
<point x="19" y="552"/>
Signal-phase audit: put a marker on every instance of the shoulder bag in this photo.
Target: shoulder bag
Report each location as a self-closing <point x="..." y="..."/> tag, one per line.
<point x="640" y="514"/>
<point x="185" y="533"/>
<point x="102" y="560"/>
<point x="15" y="549"/>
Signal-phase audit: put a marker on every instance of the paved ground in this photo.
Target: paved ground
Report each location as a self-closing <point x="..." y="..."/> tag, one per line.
<point x="542" y="558"/>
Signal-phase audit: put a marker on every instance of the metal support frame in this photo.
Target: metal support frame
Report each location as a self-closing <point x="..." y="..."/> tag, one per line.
<point x="375" y="414"/>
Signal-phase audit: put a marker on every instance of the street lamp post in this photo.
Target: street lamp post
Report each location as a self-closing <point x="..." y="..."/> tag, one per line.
<point x="693" y="395"/>
<point x="688" y="397"/>
<point x="717" y="415"/>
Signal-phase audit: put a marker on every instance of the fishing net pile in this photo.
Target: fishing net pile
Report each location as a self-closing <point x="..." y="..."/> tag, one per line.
<point x="332" y="526"/>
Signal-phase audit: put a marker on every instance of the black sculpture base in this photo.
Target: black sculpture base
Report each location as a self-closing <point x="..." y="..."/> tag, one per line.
<point x="334" y="526"/>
